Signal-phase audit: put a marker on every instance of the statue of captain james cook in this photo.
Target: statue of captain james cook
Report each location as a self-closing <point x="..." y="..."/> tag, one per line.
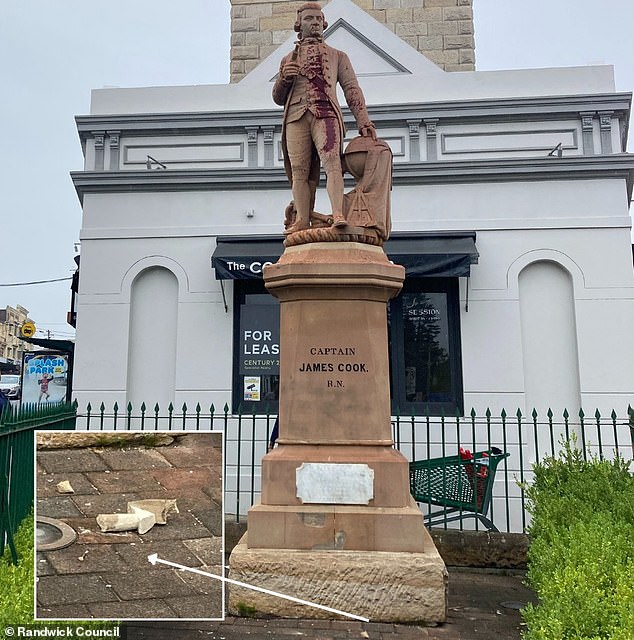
<point x="313" y="128"/>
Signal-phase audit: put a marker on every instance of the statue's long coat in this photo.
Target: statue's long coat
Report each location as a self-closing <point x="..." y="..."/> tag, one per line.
<point x="336" y="69"/>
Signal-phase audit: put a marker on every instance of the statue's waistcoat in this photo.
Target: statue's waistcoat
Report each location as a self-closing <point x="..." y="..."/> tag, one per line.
<point x="310" y="92"/>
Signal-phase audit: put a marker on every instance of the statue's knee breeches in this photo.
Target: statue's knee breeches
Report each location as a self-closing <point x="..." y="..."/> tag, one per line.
<point x="300" y="172"/>
<point x="299" y="146"/>
<point x="326" y="135"/>
<point x="331" y="163"/>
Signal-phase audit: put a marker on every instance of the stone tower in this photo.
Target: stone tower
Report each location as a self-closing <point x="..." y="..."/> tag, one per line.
<point x="440" y="29"/>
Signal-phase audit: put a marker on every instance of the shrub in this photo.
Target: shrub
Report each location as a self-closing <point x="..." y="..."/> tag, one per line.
<point x="17" y="581"/>
<point x="581" y="556"/>
<point x="17" y="584"/>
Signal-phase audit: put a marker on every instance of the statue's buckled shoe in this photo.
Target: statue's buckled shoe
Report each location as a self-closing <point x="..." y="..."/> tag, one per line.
<point x="298" y="226"/>
<point x="339" y="221"/>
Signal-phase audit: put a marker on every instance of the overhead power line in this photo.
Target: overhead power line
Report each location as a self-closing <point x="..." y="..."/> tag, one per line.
<point x="25" y="284"/>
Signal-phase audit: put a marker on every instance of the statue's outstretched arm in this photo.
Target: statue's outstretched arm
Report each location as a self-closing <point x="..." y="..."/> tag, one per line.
<point x="354" y="96"/>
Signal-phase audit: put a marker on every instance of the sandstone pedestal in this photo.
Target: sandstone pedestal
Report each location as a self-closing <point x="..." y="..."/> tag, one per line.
<point x="336" y="523"/>
<point x="379" y="585"/>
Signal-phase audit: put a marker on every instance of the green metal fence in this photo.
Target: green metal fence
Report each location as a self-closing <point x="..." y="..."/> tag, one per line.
<point x="17" y="447"/>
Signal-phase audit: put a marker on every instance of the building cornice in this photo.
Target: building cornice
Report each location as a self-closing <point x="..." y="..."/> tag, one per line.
<point x="614" y="166"/>
<point x="226" y="122"/>
<point x="521" y="109"/>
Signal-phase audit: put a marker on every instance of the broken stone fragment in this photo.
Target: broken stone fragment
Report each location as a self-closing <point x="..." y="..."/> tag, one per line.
<point x="65" y="487"/>
<point x="118" y="521"/>
<point x="146" y="519"/>
<point x="140" y="520"/>
<point x="160" y="508"/>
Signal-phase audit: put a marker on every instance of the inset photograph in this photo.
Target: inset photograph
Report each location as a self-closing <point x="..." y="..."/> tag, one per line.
<point x="120" y="517"/>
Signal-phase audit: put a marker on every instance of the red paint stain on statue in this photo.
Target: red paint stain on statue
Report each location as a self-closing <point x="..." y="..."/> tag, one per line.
<point x="323" y="108"/>
<point x="331" y="133"/>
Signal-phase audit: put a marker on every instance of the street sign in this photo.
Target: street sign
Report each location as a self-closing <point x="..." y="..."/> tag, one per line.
<point x="27" y="330"/>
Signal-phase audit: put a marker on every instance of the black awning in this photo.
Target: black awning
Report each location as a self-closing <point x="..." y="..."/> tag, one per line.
<point x="425" y="254"/>
<point x="66" y="346"/>
<point x="242" y="257"/>
<point x="433" y="255"/>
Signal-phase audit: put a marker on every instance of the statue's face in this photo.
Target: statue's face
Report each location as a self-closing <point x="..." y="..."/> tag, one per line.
<point x="311" y="23"/>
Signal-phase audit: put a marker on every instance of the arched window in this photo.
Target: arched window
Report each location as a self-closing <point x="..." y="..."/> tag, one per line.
<point x="152" y="338"/>
<point x="549" y="338"/>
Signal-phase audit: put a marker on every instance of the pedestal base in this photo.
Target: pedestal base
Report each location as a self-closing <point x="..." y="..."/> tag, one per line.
<point x="380" y="585"/>
<point x="389" y="467"/>
<point x="388" y="521"/>
<point x="341" y="528"/>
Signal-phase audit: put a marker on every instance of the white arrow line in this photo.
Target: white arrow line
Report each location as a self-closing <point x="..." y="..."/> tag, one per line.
<point x="153" y="559"/>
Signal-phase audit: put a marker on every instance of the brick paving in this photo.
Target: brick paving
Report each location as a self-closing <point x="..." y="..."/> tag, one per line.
<point x="475" y="613"/>
<point x="107" y="575"/>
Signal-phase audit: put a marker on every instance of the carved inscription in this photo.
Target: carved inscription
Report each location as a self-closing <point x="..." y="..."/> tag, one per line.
<point x="354" y="367"/>
<point x="332" y="351"/>
<point x="342" y="360"/>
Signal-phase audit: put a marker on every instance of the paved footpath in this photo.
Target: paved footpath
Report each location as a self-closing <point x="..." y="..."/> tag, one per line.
<point x="107" y="575"/>
<point x="476" y="612"/>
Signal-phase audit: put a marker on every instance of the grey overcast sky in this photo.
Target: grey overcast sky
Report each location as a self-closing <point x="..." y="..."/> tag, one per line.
<point x="53" y="52"/>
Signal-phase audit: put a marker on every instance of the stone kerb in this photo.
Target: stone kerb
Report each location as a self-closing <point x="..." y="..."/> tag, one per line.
<point x="442" y="30"/>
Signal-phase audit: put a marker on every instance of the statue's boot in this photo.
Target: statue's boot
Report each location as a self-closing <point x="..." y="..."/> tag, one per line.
<point x="339" y="220"/>
<point x="300" y="225"/>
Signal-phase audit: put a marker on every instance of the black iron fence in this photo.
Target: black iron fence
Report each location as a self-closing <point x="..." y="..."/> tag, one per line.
<point x="526" y="438"/>
<point x="17" y="447"/>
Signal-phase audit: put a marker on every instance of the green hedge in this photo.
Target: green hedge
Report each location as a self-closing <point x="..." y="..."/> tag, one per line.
<point x="581" y="556"/>
<point x="17" y="587"/>
<point x="17" y="581"/>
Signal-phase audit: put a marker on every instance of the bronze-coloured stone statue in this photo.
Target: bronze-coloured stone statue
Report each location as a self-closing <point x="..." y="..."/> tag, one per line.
<point x="313" y="128"/>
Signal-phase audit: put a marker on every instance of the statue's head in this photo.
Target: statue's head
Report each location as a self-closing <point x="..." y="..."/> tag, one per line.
<point x="307" y="15"/>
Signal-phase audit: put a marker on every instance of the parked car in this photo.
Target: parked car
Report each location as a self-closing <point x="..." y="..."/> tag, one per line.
<point x="10" y="386"/>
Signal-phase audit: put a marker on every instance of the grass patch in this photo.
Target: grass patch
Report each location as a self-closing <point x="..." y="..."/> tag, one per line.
<point x="17" y="581"/>
<point x="17" y="584"/>
<point x="118" y="441"/>
<point x="245" y="610"/>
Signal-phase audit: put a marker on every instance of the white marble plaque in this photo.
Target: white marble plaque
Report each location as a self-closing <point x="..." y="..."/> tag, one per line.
<point x="326" y="483"/>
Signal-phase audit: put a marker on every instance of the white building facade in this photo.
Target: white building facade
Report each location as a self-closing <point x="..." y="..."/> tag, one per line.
<point x="510" y="210"/>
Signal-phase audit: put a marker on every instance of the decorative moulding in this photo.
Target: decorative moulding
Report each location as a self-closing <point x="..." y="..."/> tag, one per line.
<point x="615" y="166"/>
